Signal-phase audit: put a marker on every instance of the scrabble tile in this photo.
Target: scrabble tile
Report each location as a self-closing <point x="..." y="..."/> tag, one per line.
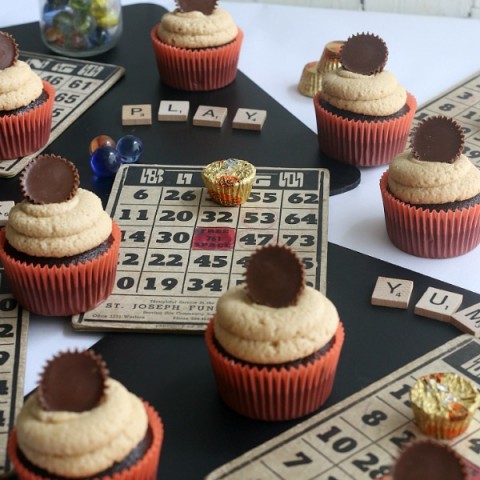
<point x="468" y="320"/>
<point x="249" y="119"/>
<point x="173" y="111"/>
<point x="438" y="304"/>
<point x="392" y="292"/>
<point x="4" y="211"/>
<point x="136" y="115"/>
<point x="206" y="116"/>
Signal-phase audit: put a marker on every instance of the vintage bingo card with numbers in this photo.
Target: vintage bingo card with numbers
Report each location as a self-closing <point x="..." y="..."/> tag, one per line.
<point x="13" y="348"/>
<point x="78" y="85"/>
<point x="462" y="103"/>
<point x="359" y="437"/>
<point x="180" y="250"/>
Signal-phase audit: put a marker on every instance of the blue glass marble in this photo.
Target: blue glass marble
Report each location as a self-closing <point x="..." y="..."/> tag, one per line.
<point x="130" y="148"/>
<point x="105" y="161"/>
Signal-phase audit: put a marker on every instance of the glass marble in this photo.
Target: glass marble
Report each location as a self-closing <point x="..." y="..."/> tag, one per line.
<point x="130" y="148"/>
<point x="105" y="161"/>
<point x="101" y="141"/>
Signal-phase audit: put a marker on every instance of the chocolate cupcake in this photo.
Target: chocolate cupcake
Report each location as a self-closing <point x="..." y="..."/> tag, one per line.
<point x="274" y="345"/>
<point x="82" y="424"/>
<point x="26" y="104"/>
<point x="431" y="193"/>
<point x="197" y="46"/>
<point x="59" y="247"/>
<point x="363" y="114"/>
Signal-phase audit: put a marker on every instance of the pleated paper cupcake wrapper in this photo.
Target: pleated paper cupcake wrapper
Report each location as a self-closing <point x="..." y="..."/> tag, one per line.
<point x="440" y="427"/>
<point x="197" y="69"/>
<point x="145" y="469"/>
<point x="275" y="394"/>
<point x="360" y="142"/>
<point x="429" y="234"/>
<point x="28" y="132"/>
<point x="64" y="290"/>
<point x="229" y="196"/>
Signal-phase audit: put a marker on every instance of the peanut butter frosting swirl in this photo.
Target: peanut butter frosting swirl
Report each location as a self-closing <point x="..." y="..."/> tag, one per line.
<point x="266" y="335"/>
<point x="196" y="30"/>
<point x="377" y="95"/>
<point x="19" y="85"/>
<point x="419" y="182"/>
<point x="59" y="229"/>
<point x="82" y="444"/>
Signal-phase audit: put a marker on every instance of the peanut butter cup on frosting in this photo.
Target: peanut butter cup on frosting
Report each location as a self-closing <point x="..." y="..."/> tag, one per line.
<point x="204" y="6"/>
<point x="431" y="193"/>
<point x="363" y="113"/>
<point x="8" y="50"/>
<point x="82" y="424"/>
<point x="364" y="53"/>
<point x="274" y="343"/>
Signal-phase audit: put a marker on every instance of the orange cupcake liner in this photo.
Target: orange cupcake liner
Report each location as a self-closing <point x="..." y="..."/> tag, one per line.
<point x="28" y="132"/>
<point x="199" y="69"/>
<point x="64" y="290"/>
<point x="429" y="234"/>
<point x="146" y="468"/>
<point x="277" y="393"/>
<point x="360" y="142"/>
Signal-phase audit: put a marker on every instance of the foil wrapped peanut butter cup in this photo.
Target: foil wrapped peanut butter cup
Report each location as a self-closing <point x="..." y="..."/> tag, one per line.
<point x="443" y="404"/>
<point x="311" y="79"/>
<point x="229" y="181"/>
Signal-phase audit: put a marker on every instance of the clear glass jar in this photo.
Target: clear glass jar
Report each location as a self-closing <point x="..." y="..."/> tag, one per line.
<point x="80" y="28"/>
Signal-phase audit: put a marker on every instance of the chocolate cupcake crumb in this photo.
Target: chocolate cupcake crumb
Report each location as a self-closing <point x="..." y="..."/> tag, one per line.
<point x="73" y="382"/>
<point x="364" y="53"/>
<point x="205" y="6"/>
<point x="8" y="50"/>
<point x="275" y="276"/>
<point x="49" y="179"/>
<point x="438" y="139"/>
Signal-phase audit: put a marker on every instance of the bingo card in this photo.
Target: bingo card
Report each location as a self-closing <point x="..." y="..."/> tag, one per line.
<point x="180" y="250"/>
<point x="78" y="85"/>
<point x="359" y="437"/>
<point x="462" y="103"/>
<point x="13" y="349"/>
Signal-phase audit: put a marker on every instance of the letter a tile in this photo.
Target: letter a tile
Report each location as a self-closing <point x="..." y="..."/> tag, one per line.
<point x="468" y="320"/>
<point x="392" y="292"/>
<point x="438" y="304"/>
<point x="206" y="116"/>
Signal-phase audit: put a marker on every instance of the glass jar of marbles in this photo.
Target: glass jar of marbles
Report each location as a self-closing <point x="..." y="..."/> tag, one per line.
<point x="80" y="28"/>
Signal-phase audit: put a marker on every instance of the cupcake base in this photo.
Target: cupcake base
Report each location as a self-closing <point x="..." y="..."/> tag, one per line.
<point x="429" y="233"/>
<point x="199" y="69"/>
<point x="361" y="142"/>
<point x="62" y="290"/>
<point x="27" y="132"/>
<point x="146" y="468"/>
<point x="277" y="393"/>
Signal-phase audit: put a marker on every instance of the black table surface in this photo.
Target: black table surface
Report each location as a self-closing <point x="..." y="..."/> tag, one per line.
<point x="172" y="371"/>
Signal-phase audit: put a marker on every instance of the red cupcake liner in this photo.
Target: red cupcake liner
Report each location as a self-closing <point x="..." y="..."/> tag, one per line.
<point x="360" y="142"/>
<point x="197" y="69"/>
<point x="277" y="393"/>
<point x="426" y="233"/>
<point x="64" y="290"/>
<point x="145" y="469"/>
<point x="27" y="132"/>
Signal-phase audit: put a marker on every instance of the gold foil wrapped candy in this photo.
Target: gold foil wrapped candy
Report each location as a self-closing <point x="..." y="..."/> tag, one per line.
<point x="229" y="181"/>
<point x="311" y="79"/>
<point x="443" y="404"/>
